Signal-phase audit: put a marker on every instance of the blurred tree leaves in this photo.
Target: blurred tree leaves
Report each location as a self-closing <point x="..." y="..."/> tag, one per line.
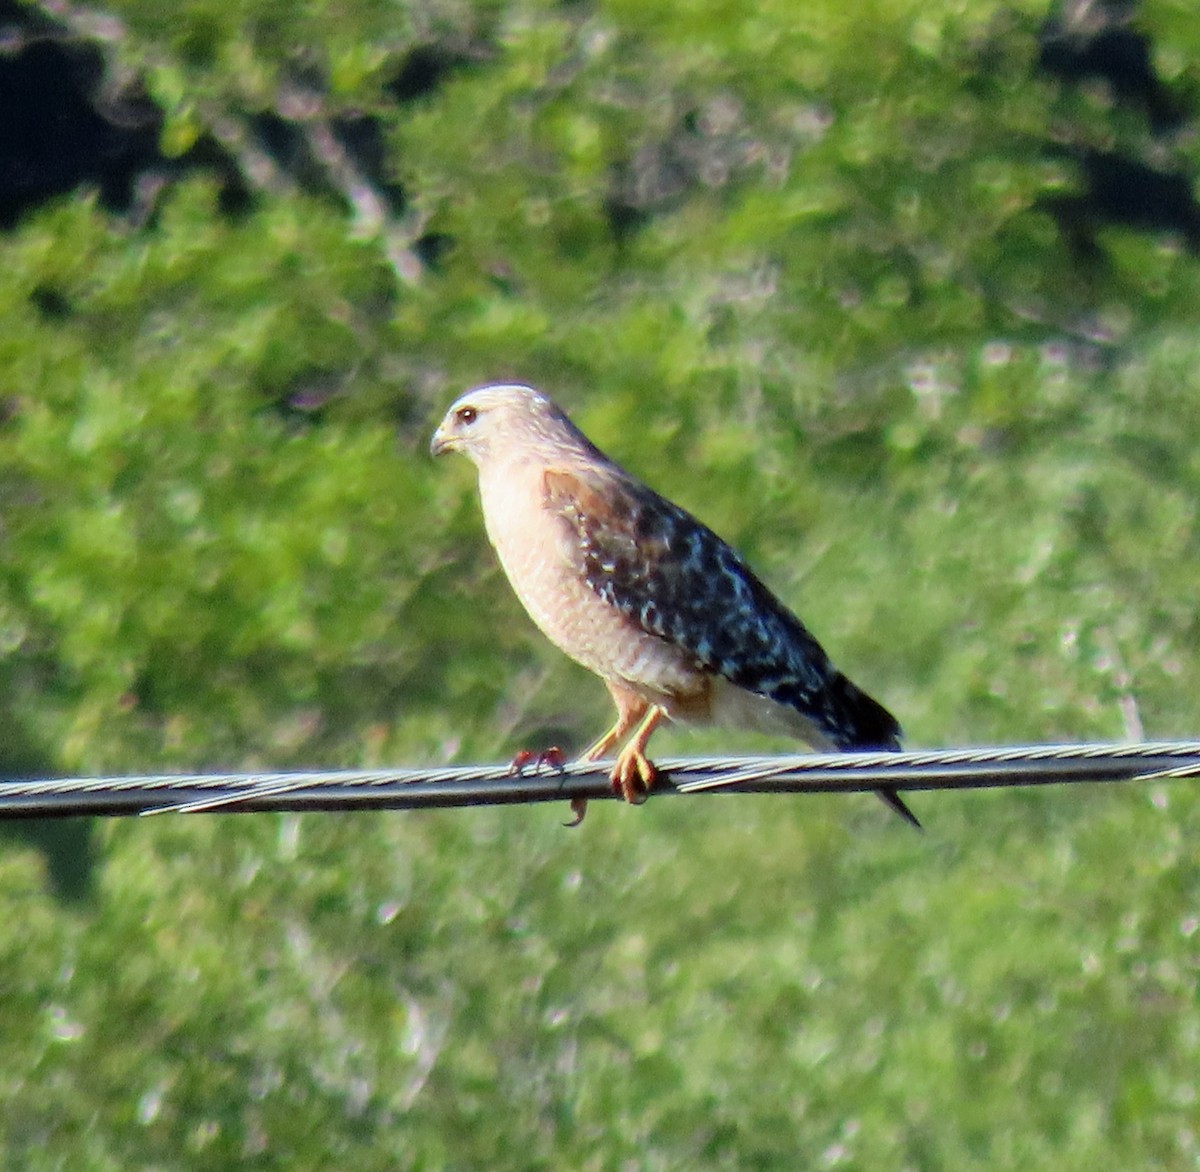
<point x="881" y="291"/>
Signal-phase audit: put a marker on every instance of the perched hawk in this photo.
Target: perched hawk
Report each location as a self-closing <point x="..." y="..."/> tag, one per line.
<point x="640" y="592"/>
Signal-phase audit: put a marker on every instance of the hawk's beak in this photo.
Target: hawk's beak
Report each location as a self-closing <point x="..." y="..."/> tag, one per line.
<point x="442" y="442"/>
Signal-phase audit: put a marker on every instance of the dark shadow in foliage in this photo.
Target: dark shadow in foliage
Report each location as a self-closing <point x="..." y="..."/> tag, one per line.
<point x="55" y="135"/>
<point x="432" y="248"/>
<point x="361" y="137"/>
<point x="65" y="126"/>
<point x="424" y="69"/>
<point x="66" y="846"/>
<point x="64" y="843"/>
<point x="51" y="303"/>
<point x="420" y="74"/>
<point x="1124" y="191"/>
<point x="1089" y="40"/>
<point x="285" y="143"/>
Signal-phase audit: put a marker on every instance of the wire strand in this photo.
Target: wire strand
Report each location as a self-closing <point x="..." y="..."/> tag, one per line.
<point x="478" y="785"/>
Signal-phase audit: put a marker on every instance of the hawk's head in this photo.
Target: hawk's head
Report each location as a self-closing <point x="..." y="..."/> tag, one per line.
<point x="510" y="420"/>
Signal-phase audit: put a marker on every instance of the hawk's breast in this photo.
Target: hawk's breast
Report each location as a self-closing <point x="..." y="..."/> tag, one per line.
<point x="541" y="559"/>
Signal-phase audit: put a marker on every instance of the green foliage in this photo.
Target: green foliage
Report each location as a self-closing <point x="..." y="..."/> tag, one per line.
<point x="805" y="276"/>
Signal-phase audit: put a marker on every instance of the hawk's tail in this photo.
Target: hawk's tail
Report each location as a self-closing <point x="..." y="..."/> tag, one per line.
<point x="858" y="722"/>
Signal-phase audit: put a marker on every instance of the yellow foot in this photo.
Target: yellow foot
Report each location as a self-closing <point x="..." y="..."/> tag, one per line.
<point x="634" y="775"/>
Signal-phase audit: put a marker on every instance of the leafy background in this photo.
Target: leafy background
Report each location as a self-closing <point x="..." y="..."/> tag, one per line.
<point x="900" y="297"/>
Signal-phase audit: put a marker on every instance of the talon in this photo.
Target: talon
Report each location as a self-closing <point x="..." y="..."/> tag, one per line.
<point x="552" y="758"/>
<point x="634" y="776"/>
<point x="579" y="809"/>
<point x="520" y="760"/>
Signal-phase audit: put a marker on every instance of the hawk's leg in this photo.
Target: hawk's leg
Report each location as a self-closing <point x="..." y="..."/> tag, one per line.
<point x="634" y="773"/>
<point x="630" y="709"/>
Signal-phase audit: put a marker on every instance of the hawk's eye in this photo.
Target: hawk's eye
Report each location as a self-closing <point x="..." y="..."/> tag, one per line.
<point x="466" y="415"/>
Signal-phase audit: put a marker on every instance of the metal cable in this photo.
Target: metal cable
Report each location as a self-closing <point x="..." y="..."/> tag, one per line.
<point x="406" y="789"/>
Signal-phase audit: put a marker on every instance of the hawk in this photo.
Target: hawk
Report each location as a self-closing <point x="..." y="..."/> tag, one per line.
<point x="638" y="591"/>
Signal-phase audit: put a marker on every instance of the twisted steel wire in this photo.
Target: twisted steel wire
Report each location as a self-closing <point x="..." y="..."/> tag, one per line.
<point x="406" y="789"/>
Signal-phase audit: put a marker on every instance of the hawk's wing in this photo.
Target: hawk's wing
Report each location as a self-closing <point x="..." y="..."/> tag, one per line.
<point x="675" y="578"/>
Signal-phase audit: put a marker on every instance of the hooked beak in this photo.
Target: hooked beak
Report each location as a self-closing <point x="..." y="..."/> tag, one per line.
<point x="442" y="442"/>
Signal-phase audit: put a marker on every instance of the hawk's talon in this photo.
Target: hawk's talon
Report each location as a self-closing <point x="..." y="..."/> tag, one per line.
<point x="521" y="758"/>
<point x="579" y="809"/>
<point x="634" y="775"/>
<point x="551" y="757"/>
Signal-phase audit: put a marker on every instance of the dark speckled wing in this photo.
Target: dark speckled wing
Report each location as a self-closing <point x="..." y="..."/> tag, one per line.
<point x="676" y="579"/>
